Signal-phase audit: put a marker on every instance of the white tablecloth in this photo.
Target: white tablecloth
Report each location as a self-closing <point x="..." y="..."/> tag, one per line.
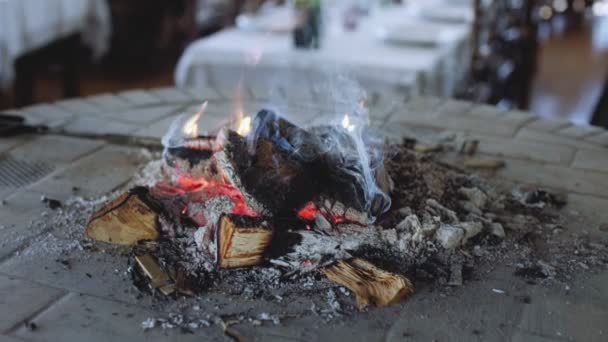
<point x="26" y="25"/>
<point x="230" y="56"/>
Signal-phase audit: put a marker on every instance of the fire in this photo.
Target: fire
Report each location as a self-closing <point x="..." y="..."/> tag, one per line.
<point x="244" y="126"/>
<point x="190" y="127"/>
<point x="346" y="123"/>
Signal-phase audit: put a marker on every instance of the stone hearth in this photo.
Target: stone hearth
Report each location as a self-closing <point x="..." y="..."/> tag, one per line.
<point x="91" y="296"/>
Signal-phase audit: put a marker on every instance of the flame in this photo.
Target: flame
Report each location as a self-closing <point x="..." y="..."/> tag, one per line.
<point x="190" y="127"/>
<point x="346" y="123"/>
<point x="244" y="126"/>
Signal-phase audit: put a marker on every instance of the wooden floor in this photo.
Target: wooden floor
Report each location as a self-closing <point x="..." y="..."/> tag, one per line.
<point x="572" y="69"/>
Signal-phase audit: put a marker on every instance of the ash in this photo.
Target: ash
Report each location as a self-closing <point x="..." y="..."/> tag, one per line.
<point x="444" y="228"/>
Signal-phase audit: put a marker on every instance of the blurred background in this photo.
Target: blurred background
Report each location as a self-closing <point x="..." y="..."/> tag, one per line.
<point x="548" y="56"/>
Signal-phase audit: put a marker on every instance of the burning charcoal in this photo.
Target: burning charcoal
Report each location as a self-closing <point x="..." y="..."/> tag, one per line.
<point x="370" y="284"/>
<point x="159" y="279"/>
<point x="242" y="240"/>
<point x="129" y="218"/>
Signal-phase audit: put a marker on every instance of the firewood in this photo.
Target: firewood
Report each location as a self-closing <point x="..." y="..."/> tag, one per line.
<point x="129" y="218"/>
<point x="158" y="278"/>
<point x="242" y="240"/>
<point x="370" y="284"/>
<point x="482" y="163"/>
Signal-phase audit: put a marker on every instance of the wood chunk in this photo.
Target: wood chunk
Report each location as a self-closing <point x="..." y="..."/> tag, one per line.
<point x="242" y="240"/>
<point x="488" y="164"/>
<point x="125" y="220"/>
<point x="427" y="148"/>
<point x="370" y="284"/>
<point x="159" y="279"/>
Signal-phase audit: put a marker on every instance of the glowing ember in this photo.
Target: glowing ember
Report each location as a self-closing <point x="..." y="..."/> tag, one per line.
<point x="244" y="126"/>
<point x="308" y="212"/>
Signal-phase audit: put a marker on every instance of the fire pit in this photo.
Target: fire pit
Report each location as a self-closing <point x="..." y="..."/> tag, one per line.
<point x="270" y="228"/>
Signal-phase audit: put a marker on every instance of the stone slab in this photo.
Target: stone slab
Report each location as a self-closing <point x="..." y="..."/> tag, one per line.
<point x="8" y="143"/>
<point x="454" y="107"/>
<point x="146" y="115"/>
<point x="485" y="111"/>
<point x="19" y="217"/>
<point x="79" y="106"/>
<point x="99" y="126"/>
<point x="47" y="114"/>
<point x="576" y="131"/>
<point x="456" y="123"/>
<point x="517" y="118"/>
<point x="172" y="95"/>
<point x="548" y="125"/>
<point x="526" y="133"/>
<point x="203" y="93"/>
<point x="591" y="160"/>
<point x="79" y="317"/>
<point x="578" y="316"/>
<point x="5" y="338"/>
<point x="22" y="299"/>
<point x="64" y="149"/>
<point x="593" y="208"/>
<point x="109" y="102"/>
<point x="600" y="139"/>
<point x="528" y="150"/>
<point x="139" y="97"/>
<point x="94" y="175"/>
<point x="556" y="176"/>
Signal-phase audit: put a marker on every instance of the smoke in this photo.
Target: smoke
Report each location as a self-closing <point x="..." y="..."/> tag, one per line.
<point x="339" y="135"/>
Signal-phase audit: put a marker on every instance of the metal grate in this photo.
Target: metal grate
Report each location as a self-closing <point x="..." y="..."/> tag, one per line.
<point x="18" y="173"/>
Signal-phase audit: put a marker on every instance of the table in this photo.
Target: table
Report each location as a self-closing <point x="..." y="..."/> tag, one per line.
<point x="233" y="56"/>
<point x="93" y="298"/>
<point x="27" y="25"/>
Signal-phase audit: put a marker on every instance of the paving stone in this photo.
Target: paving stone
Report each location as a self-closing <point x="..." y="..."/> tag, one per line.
<point x="99" y="126"/>
<point x="547" y="125"/>
<point x="203" y="93"/>
<point x="79" y="106"/>
<point x="456" y="123"/>
<point x="109" y="102"/>
<point x="17" y="220"/>
<point x="8" y="143"/>
<point x="139" y="97"/>
<point x="46" y="114"/>
<point x="600" y="139"/>
<point x="454" y="107"/>
<point x="155" y="130"/>
<point x="64" y="149"/>
<point x="579" y="316"/>
<point x="172" y="95"/>
<point x="557" y="176"/>
<point x="96" y="174"/>
<point x="76" y="317"/>
<point x="526" y="133"/>
<point x="591" y="207"/>
<point x="517" y="118"/>
<point x="591" y="160"/>
<point x="485" y="111"/>
<point x="576" y="131"/>
<point x="21" y="299"/>
<point x="146" y="115"/>
<point x="525" y="149"/>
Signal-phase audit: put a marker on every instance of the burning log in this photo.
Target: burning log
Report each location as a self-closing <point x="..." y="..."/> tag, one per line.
<point x="129" y="218"/>
<point x="242" y="240"/>
<point x="370" y="284"/>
